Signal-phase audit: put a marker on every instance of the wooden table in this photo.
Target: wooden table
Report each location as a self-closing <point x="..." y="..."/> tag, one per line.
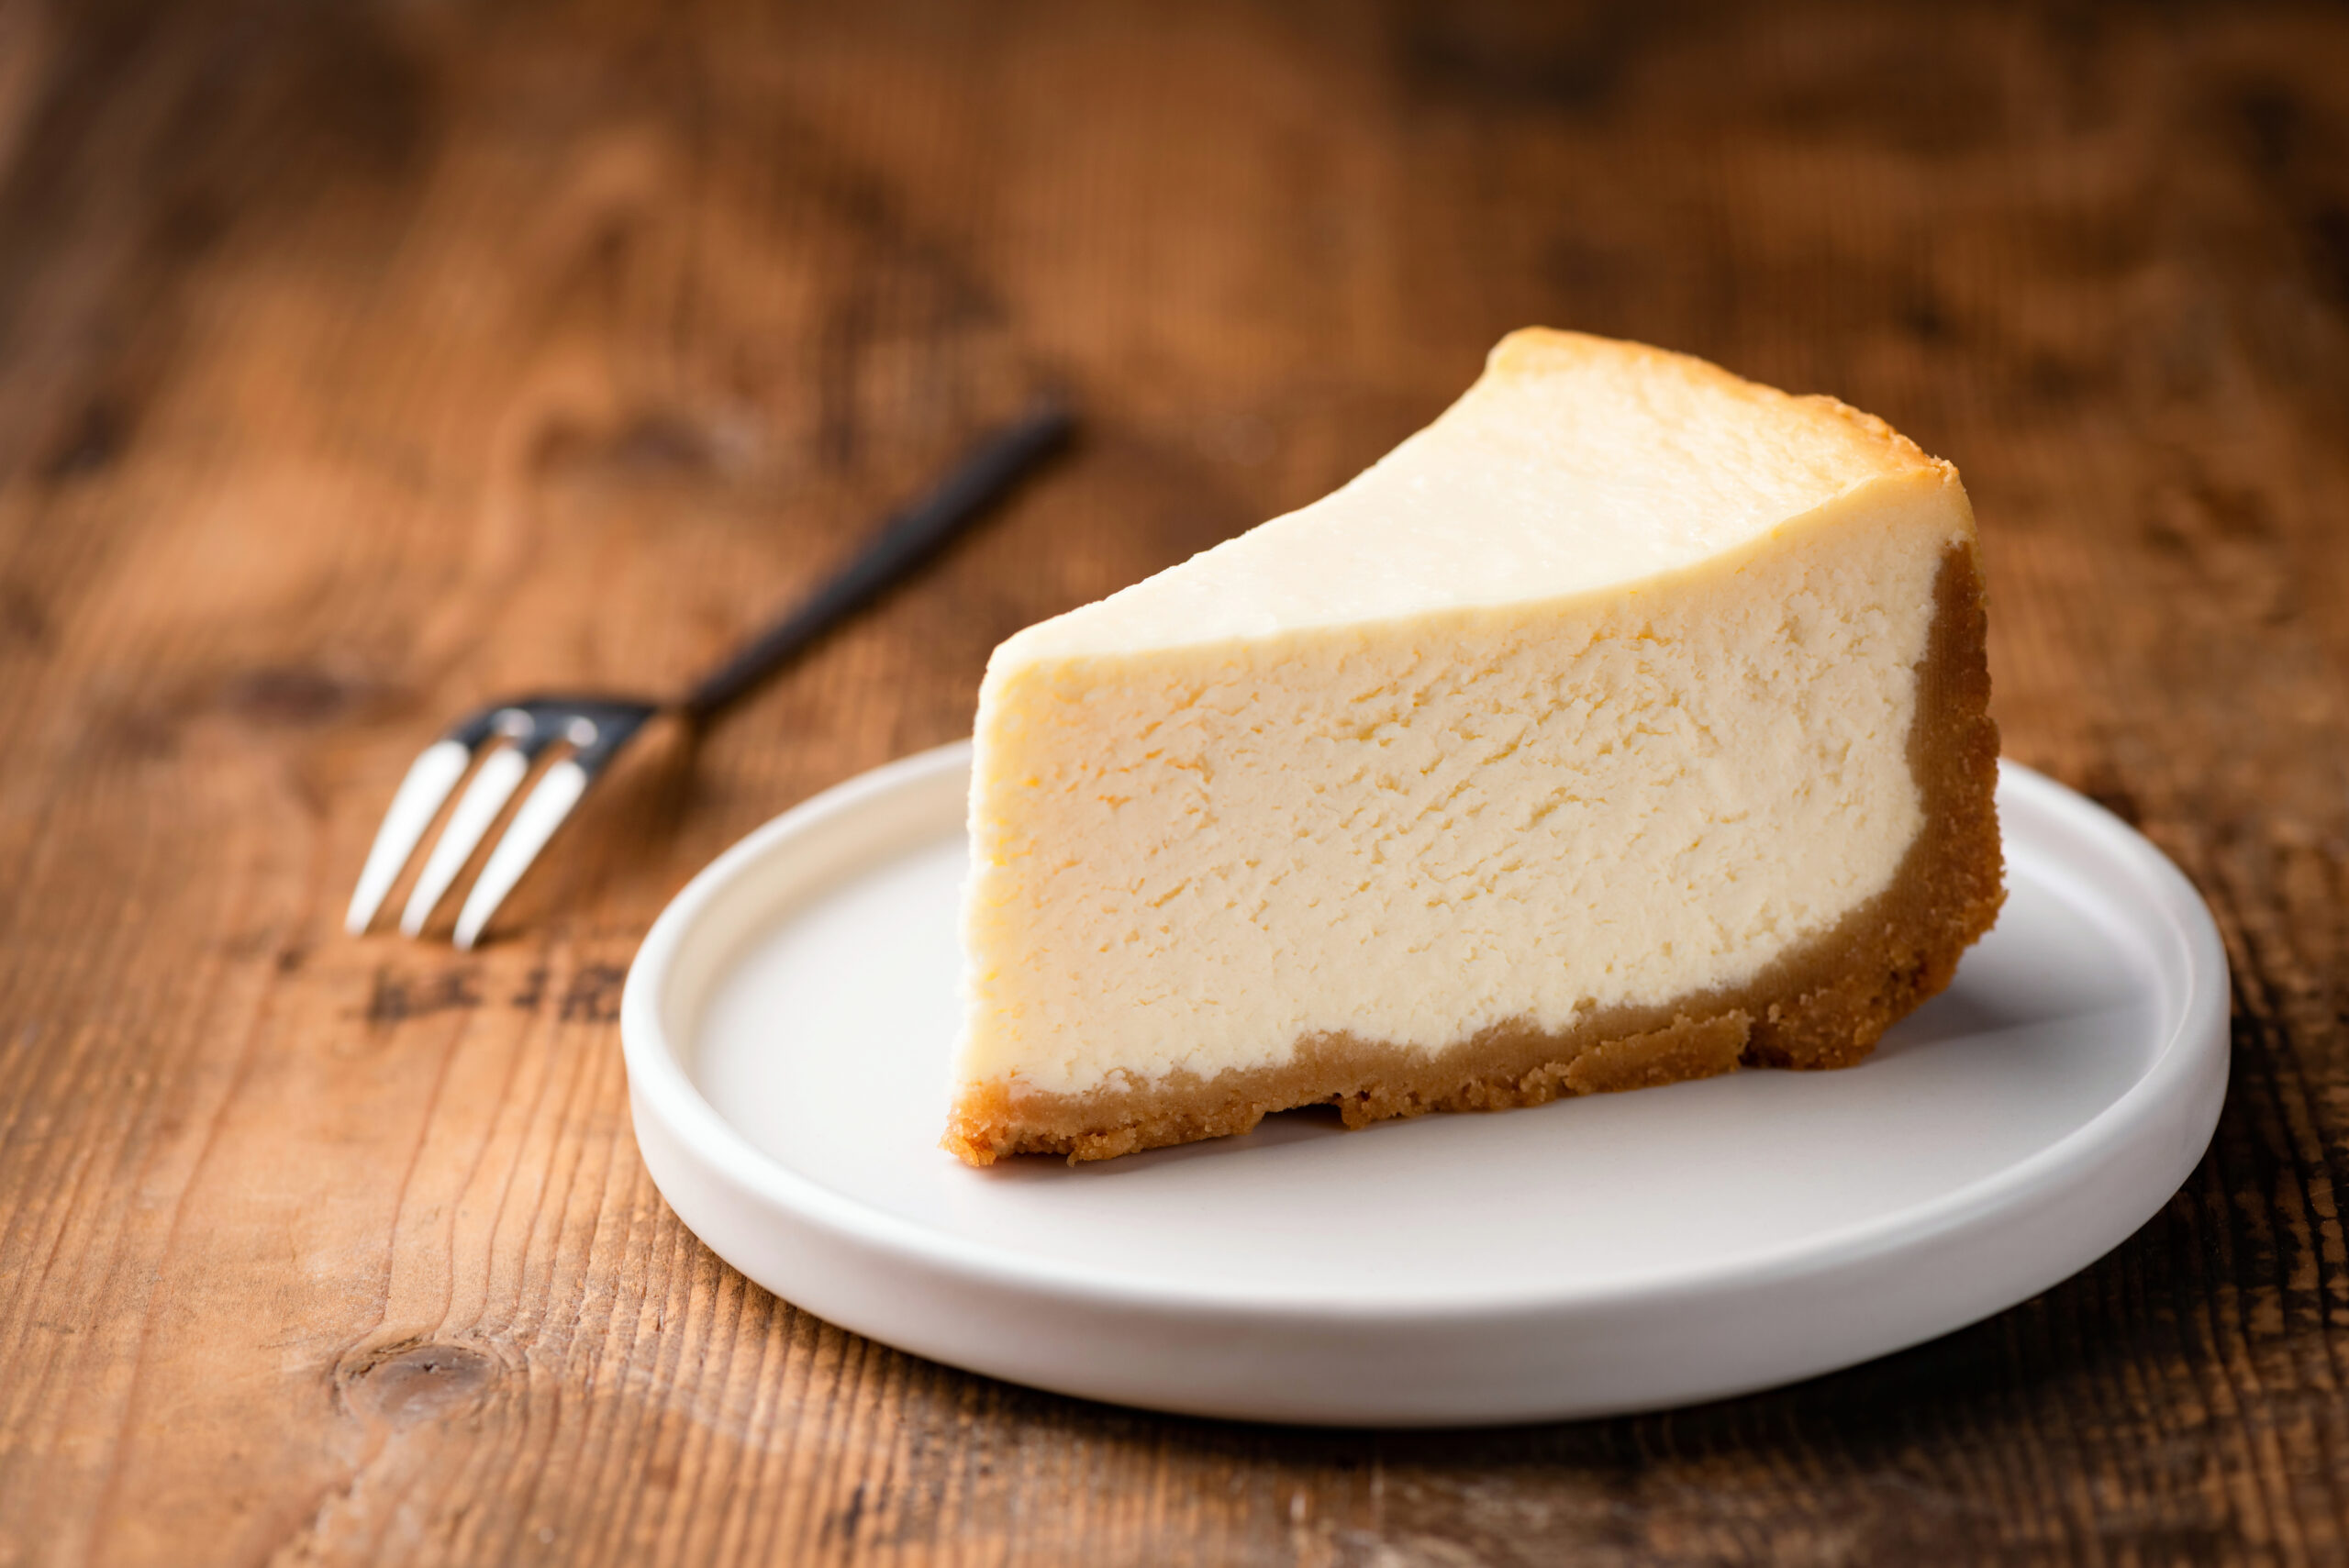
<point x="361" y="361"/>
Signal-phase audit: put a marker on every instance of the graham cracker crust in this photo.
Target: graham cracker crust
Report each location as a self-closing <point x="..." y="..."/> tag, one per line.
<point x="1824" y="1004"/>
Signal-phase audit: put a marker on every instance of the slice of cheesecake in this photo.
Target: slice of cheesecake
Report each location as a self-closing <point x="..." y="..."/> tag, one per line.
<point x="1626" y="725"/>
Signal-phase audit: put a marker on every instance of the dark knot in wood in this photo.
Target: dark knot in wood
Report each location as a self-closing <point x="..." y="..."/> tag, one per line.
<point x="415" y="1381"/>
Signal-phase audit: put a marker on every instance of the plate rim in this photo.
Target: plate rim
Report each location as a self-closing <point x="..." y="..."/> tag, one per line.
<point x="660" y="1083"/>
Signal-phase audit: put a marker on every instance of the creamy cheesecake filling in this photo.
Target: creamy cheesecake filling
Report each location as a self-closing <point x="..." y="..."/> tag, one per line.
<point x="1416" y="832"/>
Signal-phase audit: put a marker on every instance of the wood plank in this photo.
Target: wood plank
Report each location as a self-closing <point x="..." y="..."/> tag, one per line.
<point x="359" y="362"/>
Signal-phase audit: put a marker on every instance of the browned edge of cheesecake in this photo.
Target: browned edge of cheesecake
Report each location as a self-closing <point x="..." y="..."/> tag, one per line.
<point x="1823" y="1004"/>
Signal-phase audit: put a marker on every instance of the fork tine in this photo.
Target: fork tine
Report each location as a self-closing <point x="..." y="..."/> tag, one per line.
<point x="429" y="779"/>
<point x="499" y="775"/>
<point x="540" y="813"/>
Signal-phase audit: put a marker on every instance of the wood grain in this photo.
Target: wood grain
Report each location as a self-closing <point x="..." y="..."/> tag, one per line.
<point x="360" y="361"/>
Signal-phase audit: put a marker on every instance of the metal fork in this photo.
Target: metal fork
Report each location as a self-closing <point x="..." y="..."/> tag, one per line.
<point x="509" y="739"/>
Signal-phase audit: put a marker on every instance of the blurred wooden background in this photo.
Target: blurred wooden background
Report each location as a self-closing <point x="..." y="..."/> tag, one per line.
<point x="359" y="361"/>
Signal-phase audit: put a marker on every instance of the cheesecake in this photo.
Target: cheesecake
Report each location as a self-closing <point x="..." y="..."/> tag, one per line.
<point x="1627" y="724"/>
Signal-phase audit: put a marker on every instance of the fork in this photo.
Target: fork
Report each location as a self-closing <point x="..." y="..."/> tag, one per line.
<point x="509" y="739"/>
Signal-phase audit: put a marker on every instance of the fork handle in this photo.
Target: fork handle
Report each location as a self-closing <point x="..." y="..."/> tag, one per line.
<point x="900" y="546"/>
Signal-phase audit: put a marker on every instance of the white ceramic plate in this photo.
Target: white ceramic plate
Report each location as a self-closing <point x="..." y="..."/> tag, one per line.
<point x="787" y="1026"/>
